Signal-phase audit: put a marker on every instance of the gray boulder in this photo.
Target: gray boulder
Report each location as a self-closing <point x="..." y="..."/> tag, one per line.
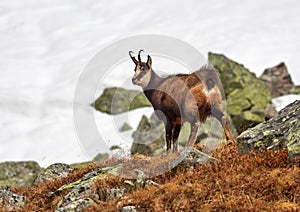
<point x="282" y="131"/>
<point x="189" y="157"/>
<point x="118" y="100"/>
<point x="149" y="137"/>
<point x="53" y="171"/>
<point x="246" y="95"/>
<point x="18" y="173"/>
<point x="278" y="80"/>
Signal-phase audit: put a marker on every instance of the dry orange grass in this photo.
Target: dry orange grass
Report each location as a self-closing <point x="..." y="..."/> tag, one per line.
<point x="259" y="181"/>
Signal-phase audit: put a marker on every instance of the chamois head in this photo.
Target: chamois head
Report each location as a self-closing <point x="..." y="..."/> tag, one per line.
<point x="142" y="75"/>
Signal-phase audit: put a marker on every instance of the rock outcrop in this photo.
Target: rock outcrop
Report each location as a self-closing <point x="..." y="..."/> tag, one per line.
<point x="149" y="138"/>
<point x="278" y="80"/>
<point x="118" y="100"/>
<point x="282" y="131"/>
<point x="89" y="189"/>
<point x="53" y="171"/>
<point x="246" y="95"/>
<point x="18" y="173"/>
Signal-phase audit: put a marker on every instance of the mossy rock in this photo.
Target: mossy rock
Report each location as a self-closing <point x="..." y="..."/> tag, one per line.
<point x="149" y="136"/>
<point x="118" y="100"/>
<point x="281" y="131"/>
<point x="18" y="173"/>
<point x="247" y="119"/>
<point x="125" y="127"/>
<point x="246" y="95"/>
<point x="101" y="157"/>
<point x="54" y="171"/>
<point x="83" y="187"/>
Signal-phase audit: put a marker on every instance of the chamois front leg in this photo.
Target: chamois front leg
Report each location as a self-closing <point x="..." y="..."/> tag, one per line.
<point x="168" y="128"/>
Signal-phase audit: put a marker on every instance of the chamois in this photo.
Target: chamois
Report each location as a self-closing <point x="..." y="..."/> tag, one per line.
<point x="180" y="98"/>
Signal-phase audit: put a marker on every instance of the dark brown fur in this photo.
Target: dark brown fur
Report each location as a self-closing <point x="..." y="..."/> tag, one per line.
<point x="184" y="97"/>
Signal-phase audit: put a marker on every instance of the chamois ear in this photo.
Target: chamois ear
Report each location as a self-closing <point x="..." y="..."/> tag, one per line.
<point x="132" y="58"/>
<point x="149" y="62"/>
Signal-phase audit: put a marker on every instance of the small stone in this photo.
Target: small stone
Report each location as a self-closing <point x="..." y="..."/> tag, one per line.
<point x="190" y="156"/>
<point x="129" y="208"/>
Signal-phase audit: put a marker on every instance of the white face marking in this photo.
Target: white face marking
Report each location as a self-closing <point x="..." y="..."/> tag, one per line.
<point x="144" y="80"/>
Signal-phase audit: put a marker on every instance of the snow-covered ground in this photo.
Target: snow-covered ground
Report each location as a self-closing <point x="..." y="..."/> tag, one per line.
<point x="44" y="46"/>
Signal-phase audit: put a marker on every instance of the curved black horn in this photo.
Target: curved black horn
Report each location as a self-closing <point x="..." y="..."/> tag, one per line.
<point x="133" y="58"/>
<point x="139" y="55"/>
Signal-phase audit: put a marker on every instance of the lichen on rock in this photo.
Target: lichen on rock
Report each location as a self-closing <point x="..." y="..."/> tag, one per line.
<point x="18" y="173"/>
<point x="53" y="171"/>
<point x="282" y="131"/>
<point x="11" y="201"/>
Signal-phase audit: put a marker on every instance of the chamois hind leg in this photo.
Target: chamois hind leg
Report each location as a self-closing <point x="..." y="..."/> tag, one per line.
<point x="223" y="120"/>
<point x="176" y="131"/>
<point x="193" y="135"/>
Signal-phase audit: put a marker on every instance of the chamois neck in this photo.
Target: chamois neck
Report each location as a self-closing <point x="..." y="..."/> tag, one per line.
<point x="155" y="80"/>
